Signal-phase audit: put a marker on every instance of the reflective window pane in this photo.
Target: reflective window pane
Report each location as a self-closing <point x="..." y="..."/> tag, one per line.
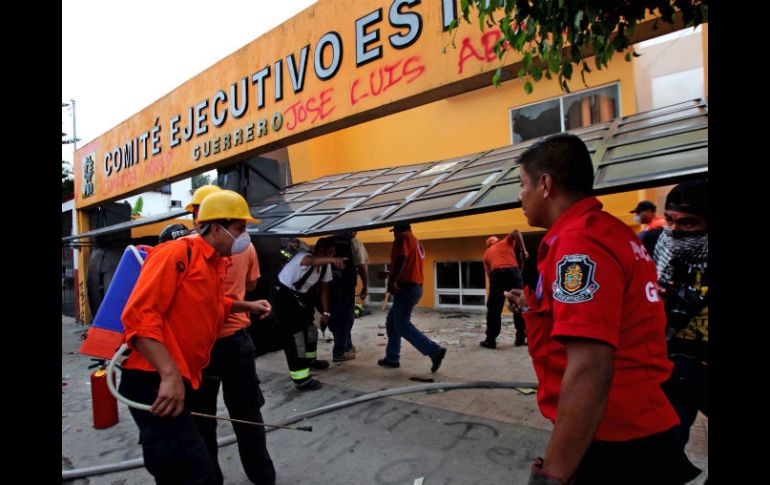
<point x="473" y="275"/>
<point x="448" y="275"/>
<point x="595" y="106"/>
<point x="474" y="300"/>
<point x="535" y="121"/>
<point x="448" y="299"/>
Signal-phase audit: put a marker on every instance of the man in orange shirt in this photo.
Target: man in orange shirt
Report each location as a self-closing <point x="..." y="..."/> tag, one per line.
<point x="232" y="365"/>
<point x="171" y="321"/>
<point x="503" y="272"/>
<point x="405" y="284"/>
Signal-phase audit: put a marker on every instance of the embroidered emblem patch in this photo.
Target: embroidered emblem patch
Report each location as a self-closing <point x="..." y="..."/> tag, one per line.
<point x="539" y="288"/>
<point x="575" y="281"/>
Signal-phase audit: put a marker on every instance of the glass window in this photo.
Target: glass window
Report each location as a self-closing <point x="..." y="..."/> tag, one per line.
<point x="449" y="299"/>
<point x="460" y="284"/>
<point x="535" y="121"/>
<point x="595" y="106"/>
<point x="569" y="112"/>
<point x="447" y="275"/>
<point x="473" y="275"/>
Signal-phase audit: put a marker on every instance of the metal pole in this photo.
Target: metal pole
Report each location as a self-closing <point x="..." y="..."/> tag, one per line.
<point x="74" y="133"/>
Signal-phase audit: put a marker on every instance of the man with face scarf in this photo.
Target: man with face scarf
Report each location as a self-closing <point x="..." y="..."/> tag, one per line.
<point x="681" y="256"/>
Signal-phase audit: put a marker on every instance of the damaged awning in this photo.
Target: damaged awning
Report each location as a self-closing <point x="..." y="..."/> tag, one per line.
<point x="657" y="147"/>
<point x="123" y="226"/>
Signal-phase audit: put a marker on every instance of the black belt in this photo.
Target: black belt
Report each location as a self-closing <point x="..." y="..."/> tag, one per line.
<point x="404" y="284"/>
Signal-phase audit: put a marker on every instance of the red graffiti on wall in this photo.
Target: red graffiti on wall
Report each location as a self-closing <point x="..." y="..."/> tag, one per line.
<point x="122" y="181"/>
<point x="484" y="51"/>
<point x="158" y="166"/>
<point x="311" y="109"/>
<point x="385" y="77"/>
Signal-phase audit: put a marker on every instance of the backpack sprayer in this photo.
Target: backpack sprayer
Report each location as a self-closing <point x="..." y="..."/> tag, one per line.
<point x="107" y="333"/>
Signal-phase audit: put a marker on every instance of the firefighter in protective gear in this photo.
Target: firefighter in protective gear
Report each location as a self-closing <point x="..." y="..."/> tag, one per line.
<point x="294" y="307"/>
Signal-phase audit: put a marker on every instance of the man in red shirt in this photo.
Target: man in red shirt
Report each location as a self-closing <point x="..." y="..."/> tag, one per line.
<point x="405" y="284"/>
<point x="503" y="272"/>
<point x="595" y="326"/>
<point x="171" y="320"/>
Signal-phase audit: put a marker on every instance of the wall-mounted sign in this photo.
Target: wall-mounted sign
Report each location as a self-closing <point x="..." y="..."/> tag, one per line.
<point x="337" y="63"/>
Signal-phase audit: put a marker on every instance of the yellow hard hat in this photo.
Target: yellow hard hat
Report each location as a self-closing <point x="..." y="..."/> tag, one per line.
<point x="201" y="194"/>
<point x="224" y="204"/>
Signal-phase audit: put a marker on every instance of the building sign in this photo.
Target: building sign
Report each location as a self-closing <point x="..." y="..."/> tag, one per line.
<point x="337" y="63"/>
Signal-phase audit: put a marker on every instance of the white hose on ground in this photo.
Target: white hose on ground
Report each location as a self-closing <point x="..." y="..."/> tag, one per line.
<point x="226" y="440"/>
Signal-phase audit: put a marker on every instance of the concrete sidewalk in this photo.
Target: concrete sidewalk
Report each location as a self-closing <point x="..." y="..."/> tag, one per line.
<point x="459" y="437"/>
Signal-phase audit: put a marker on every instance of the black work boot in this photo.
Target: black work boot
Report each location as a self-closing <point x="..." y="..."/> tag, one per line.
<point x="437" y="359"/>
<point x="490" y="344"/>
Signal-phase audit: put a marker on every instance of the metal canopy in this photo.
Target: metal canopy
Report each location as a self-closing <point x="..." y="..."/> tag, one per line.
<point x="127" y="225"/>
<point x="657" y="147"/>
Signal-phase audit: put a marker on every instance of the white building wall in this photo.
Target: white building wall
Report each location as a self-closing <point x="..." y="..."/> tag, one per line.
<point x="155" y="203"/>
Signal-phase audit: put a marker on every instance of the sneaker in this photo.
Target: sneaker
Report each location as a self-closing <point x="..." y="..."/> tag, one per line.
<point x="319" y="364"/>
<point x="437" y="359"/>
<point x="308" y="385"/>
<point x="346" y="356"/>
<point x="387" y="363"/>
<point x="490" y="344"/>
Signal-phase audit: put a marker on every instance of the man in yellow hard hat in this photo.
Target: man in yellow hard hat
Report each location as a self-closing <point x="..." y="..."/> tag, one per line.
<point x="232" y="366"/>
<point x="198" y="196"/>
<point x="172" y="320"/>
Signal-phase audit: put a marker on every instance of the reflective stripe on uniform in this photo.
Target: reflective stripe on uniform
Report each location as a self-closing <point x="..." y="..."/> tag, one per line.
<point x="311" y="355"/>
<point x="300" y="374"/>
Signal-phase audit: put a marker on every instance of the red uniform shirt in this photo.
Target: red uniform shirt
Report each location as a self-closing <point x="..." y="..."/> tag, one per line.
<point x="179" y="303"/>
<point x="658" y="221"/>
<point x="406" y="245"/>
<point x="597" y="281"/>
<point x="501" y="255"/>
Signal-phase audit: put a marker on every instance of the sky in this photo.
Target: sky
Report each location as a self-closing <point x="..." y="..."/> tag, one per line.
<point x="118" y="57"/>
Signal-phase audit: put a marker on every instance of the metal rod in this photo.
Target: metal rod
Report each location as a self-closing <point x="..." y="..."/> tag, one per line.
<point x="299" y="428"/>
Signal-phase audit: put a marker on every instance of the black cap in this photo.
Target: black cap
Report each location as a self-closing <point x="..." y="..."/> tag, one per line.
<point x="643" y="206"/>
<point x="401" y="227"/>
<point x="689" y="197"/>
<point x="173" y="231"/>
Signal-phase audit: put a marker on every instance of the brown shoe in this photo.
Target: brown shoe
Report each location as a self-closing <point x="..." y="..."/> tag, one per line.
<point x="346" y="356"/>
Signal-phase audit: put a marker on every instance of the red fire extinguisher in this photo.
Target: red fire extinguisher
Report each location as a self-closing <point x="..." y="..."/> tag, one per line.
<point x="104" y="403"/>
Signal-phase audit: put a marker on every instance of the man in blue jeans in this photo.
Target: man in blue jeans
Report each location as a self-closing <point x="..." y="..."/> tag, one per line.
<point x="405" y="284"/>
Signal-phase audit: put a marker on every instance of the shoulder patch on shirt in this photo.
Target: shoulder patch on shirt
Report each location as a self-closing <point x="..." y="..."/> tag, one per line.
<point x="575" y="281"/>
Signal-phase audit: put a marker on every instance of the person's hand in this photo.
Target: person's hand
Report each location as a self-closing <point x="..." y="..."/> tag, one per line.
<point x="170" y="400"/>
<point x="324" y="321"/>
<point x="393" y="287"/>
<point x="338" y="262"/>
<point x="261" y="307"/>
<point x="364" y="292"/>
<point x="526" y="254"/>
<point x="516" y="299"/>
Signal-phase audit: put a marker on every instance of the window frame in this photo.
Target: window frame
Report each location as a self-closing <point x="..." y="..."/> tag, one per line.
<point x="560" y="99"/>
<point x="458" y="291"/>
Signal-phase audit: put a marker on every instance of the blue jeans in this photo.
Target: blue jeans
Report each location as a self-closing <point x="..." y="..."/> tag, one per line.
<point x="399" y="324"/>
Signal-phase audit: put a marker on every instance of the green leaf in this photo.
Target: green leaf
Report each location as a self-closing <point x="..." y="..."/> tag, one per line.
<point x="521" y="74"/>
<point x="527" y="61"/>
<point x="628" y="57"/>
<point x="537" y="72"/>
<point x="497" y="76"/>
<point x="548" y="74"/>
<point x="453" y="24"/>
<point x="528" y="87"/>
